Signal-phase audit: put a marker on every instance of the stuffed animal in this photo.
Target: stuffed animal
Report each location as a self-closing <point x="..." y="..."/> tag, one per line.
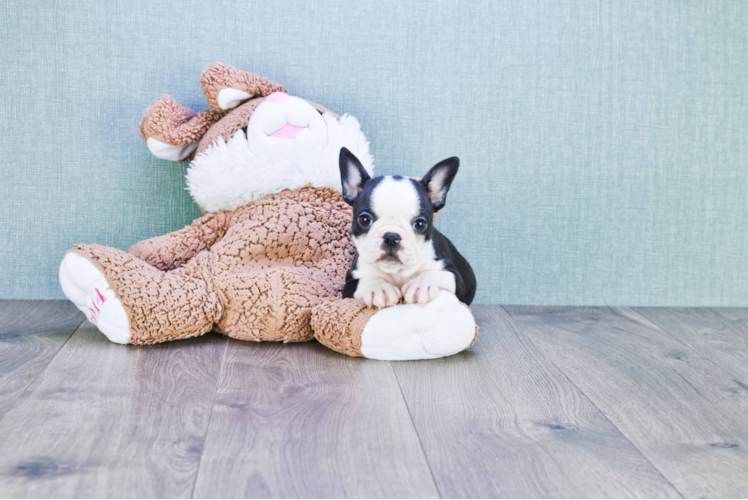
<point x="267" y="261"/>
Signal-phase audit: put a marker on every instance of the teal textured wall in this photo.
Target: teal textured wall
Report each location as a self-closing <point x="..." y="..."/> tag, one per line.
<point x="604" y="144"/>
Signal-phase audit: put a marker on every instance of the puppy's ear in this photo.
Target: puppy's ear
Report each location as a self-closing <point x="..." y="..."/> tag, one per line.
<point x="438" y="181"/>
<point x="353" y="176"/>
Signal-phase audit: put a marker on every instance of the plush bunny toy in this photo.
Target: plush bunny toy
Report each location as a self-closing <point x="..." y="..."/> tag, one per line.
<point x="267" y="261"/>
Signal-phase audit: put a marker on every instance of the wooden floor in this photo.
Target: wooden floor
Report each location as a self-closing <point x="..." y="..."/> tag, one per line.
<point x="550" y="402"/>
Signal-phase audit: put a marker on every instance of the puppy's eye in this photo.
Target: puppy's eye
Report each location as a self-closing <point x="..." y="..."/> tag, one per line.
<point x="364" y="220"/>
<point x="419" y="225"/>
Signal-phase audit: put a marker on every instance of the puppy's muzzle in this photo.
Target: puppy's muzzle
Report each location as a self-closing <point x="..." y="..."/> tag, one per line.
<point x="390" y="247"/>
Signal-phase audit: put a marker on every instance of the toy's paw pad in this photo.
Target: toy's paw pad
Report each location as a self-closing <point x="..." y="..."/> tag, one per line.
<point x="88" y="289"/>
<point x="420" y="290"/>
<point x="378" y="294"/>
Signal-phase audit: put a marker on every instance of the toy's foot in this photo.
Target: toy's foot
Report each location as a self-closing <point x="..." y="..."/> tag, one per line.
<point x="225" y="87"/>
<point x="442" y="327"/>
<point x="88" y="289"/>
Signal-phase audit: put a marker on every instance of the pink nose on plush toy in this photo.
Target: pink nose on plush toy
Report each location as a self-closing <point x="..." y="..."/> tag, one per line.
<point x="278" y="97"/>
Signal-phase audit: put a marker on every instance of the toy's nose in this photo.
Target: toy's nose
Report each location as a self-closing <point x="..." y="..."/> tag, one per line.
<point x="391" y="240"/>
<point x="278" y="97"/>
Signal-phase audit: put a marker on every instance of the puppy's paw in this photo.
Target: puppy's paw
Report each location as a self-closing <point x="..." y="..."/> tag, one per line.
<point x="377" y="293"/>
<point x="421" y="290"/>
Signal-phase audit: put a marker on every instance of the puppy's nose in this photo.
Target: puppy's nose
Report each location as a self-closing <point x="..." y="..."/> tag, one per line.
<point x="391" y="240"/>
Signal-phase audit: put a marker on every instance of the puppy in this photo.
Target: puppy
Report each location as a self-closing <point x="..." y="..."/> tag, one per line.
<point x="399" y="254"/>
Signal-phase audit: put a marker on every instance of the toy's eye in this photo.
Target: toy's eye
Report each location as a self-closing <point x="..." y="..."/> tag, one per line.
<point x="364" y="220"/>
<point x="419" y="225"/>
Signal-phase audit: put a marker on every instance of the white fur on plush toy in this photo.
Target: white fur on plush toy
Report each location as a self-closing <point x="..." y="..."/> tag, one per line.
<point x="442" y="327"/>
<point x="250" y="166"/>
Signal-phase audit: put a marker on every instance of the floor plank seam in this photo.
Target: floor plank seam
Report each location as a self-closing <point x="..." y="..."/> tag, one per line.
<point x="736" y="324"/>
<point x="52" y="358"/>
<point x="210" y="416"/>
<point x="415" y="429"/>
<point x="685" y="343"/>
<point x="566" y="376"/>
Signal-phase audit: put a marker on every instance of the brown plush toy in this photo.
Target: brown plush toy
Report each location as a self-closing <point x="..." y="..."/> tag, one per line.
<point x="273" y="245"/>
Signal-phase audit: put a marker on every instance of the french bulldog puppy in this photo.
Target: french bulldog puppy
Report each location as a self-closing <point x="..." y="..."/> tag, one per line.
<point x="399" y="253"/>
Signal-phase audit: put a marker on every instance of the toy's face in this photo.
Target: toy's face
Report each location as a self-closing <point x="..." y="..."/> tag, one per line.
<point x="255" y="141"/>
<point x="285" y="127"/>
<point x="288" y="144"/>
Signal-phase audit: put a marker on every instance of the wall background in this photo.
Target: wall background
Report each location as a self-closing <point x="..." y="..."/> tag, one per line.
<point x="604" y="144"/>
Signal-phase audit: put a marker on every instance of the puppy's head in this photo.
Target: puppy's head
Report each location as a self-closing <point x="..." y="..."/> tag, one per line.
<point x="393" y="215"/>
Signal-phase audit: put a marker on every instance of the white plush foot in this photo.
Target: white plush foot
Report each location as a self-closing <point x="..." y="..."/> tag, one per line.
<point x="442" y="327"/>
<point x="88" y="289"/>
<point x="169" y="152"/>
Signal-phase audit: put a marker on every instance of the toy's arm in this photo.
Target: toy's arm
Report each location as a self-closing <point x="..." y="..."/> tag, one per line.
<point x="172" y="250"/>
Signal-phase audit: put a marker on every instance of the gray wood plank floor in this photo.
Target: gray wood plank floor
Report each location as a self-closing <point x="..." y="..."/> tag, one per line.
<point x="708" y="332"/>
<point x="299" y="420"/>
<point x="678" y="407"/>
<point x="31" y="333"/>
<point x="503" y="421"/>
<point x="550" y="402"/>
<point x="106" y="420"/>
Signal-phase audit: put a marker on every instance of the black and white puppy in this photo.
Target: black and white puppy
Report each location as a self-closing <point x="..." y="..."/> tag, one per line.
<point x="400" y="254"/>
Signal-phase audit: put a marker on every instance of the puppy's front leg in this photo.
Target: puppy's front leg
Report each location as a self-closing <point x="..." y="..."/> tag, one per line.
<point x="376" y="292"/>
<point x="425" y="287"/>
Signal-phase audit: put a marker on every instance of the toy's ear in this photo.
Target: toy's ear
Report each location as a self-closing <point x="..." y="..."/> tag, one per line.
<point x="225" y="87"/>
<point x="172" y="132"/>
<point x="168" y="152"/>
<point x="439" y="179"/>
<point x="353" y="176"/>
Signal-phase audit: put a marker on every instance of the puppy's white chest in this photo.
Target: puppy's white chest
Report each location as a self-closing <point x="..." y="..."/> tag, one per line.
<point x="400" y="279"/>
<point x="397" y="279"/>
